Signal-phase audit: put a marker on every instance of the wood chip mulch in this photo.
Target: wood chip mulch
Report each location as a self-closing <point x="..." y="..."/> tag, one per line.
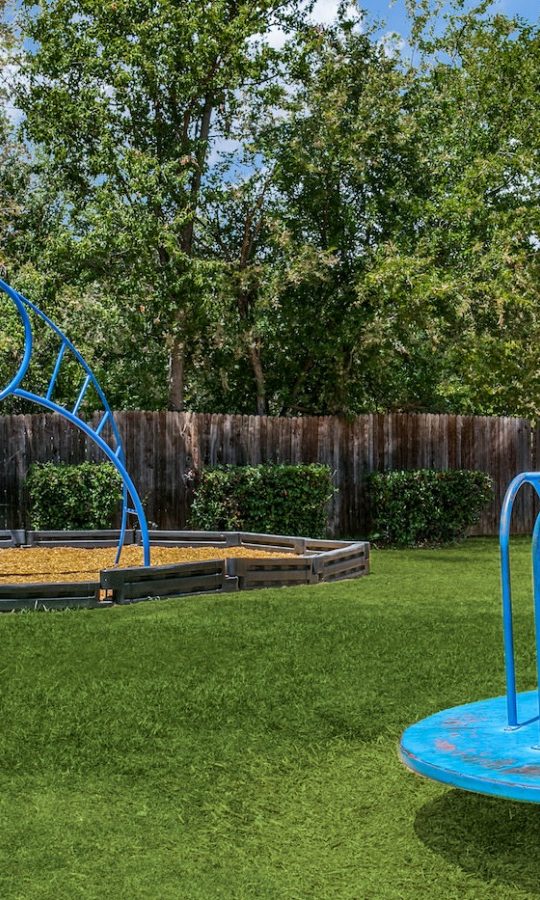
<point x="54" y="564"/>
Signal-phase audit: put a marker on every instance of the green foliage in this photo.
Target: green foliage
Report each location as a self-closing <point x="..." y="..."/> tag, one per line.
<point x="127" y="100"/>
<point x="425" y="506"/>
<point x="81" y="496"/>
<point x="275" y="499"/>
<point x="371" y="243"/>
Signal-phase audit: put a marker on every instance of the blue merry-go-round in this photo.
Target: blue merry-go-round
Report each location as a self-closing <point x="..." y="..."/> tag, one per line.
<point x="489" y="746"/>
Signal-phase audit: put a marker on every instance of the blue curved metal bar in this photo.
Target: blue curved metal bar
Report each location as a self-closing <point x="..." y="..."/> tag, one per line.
<point x="536" y="596"/>
<point x="532" y="478"/>
<point x="28" y="341"/>
<point x="116" y="453"/>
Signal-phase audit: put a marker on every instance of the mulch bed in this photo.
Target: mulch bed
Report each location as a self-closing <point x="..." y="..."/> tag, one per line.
<point x="54" y="564"/>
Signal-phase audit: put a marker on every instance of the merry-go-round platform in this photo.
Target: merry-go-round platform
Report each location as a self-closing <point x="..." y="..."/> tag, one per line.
<point x="473" y="748"/>
<point x="489" y="746"/>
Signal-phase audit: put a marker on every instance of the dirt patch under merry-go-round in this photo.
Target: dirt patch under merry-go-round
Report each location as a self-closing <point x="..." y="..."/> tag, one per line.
<point x="57" y="564"/>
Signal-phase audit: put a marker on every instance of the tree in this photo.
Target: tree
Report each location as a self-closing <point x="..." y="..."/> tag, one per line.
<point x="331" y="176"/>
<point x="14" y="186"/>
<point x="370" y="243"/>
<point x="459" y="283"/>
<point x="127" y="99"/>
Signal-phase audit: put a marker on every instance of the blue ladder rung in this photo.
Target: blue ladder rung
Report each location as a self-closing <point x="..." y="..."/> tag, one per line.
<point x="101" y="425"/>
<point x="56" y="370"/>
<point x="80" y="398"/>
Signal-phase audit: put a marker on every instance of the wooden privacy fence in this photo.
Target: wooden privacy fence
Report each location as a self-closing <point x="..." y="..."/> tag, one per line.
<point x="162" y="448"/>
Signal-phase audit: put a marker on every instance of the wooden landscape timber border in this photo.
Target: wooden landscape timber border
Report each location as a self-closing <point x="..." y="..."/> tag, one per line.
<point x="163" y="449"/>
<point x="80" y="539"/>
<point x="48" y="596"/>
<point x="304" y="561"/>
<point x="178" y="580"/>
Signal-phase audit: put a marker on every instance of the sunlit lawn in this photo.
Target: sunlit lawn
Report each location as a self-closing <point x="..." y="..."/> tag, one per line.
<point x="245" y="747"/>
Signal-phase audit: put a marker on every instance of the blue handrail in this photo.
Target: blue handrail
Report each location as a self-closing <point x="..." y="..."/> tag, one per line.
<point x="532" y="478"/>
<point x="131" y="502"/>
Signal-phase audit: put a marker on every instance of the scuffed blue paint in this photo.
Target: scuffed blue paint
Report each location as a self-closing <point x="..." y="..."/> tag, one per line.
<point x="471" y="747"/>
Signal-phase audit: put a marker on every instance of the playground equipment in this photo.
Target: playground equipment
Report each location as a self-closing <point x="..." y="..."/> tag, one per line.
<point x="490" y="746"/>
<point x="113" y="447"/>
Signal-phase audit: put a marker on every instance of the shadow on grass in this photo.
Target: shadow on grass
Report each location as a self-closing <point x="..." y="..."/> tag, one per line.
<point x="493" y="839"/>
<point x="455" y="555"/>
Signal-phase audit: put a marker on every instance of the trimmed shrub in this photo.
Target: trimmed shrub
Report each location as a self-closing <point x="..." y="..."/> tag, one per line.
<point x="425" y="507"/>
<point x="81" y="496"/>
<point x="275" y="499"/>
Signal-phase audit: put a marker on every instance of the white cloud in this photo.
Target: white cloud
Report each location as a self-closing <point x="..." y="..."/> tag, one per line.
<point x="325" y="11"/>
<point x="220" y="146"/>
<point x="392" y="43"/>
<point x="8" y="78"/>
<point x="276" y="37"/>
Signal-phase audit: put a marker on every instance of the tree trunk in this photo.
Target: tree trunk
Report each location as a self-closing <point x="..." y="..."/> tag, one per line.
<point x="176" y="376"/>
<point x="195" y="189"/>
<point x="178" y="354"/>
<point x="256" y="364"/>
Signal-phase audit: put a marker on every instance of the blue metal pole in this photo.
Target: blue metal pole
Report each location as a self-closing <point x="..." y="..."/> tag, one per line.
<point x="508" y="627"/>
<point x="28" y="341"/>
<point x="536" y="592"/>
<point x="123" y="525"/>
<point x="56" y="370"/>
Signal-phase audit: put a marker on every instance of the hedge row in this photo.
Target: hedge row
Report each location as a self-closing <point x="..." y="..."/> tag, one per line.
<point x="425" y="507"/>
<point x="283" y="499"/>
<point x="82" y="496"/>
<point x="276" y="499"/>
<point x="407" y="508"/>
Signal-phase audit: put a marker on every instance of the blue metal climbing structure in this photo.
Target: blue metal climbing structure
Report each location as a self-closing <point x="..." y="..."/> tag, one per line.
<point x="113" y="447"/>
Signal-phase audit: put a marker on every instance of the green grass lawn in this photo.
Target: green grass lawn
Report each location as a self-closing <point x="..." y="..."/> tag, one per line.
<point x="245" y="747"/>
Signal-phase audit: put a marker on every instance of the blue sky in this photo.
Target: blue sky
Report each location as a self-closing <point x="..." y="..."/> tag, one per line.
<point x="394" y="12"/>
